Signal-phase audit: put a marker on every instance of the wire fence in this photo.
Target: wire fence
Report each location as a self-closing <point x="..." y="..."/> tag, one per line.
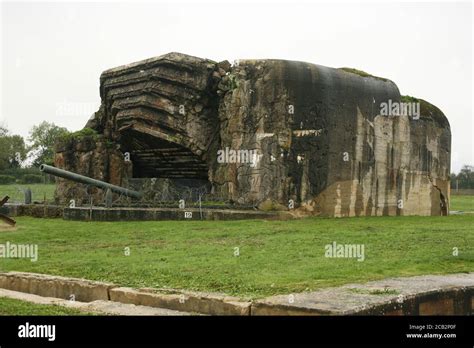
<point x="168" y="196"/>
<point x="40" y="193"/>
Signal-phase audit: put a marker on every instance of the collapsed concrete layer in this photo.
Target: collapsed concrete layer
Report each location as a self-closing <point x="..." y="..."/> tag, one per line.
<point x="272" y="133"/>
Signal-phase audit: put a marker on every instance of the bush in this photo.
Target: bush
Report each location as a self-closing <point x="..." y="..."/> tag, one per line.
<point x="85" y="132"/>
<point x="408" y="99"/>
<point x="7" y="179"/>
<point x="30" y="175"/>
<point x="19" y="172"/>
<point x="32" y="179"/>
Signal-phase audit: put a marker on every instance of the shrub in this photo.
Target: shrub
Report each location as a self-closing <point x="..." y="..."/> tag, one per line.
<point x="7" y="179"/>
<point x="19" y="172"/>
<point x="32" y="179"/>
<point x="408" y="99"/>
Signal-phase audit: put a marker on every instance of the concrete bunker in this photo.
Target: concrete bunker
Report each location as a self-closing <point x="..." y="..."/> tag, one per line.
<point x="325" y="145"/>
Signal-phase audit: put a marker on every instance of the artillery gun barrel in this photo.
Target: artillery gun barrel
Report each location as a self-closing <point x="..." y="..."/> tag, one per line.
<point x="89" y="181"/>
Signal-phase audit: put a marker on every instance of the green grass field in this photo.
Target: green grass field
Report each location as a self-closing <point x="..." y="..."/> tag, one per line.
<point x="10" y="306"/>
<point x="274" y="257"/>
<point x="463" y="203"/>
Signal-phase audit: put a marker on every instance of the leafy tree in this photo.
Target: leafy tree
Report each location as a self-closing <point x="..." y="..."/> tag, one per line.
<point x="464" y="179"/>
<point x="43" y="137"/>
<point x="3" y="131"/>
<point x="12" y="149"/>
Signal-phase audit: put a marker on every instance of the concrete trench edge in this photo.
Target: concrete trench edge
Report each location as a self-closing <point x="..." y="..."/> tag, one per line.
<point x="83" y="290"/>
<point x="440" y="300"/>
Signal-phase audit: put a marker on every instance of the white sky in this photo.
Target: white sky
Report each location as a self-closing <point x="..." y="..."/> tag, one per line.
<point x="52" y="54"/>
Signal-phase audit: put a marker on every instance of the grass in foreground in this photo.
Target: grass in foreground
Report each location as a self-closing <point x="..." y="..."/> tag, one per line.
<point x="10" y="306"/>
<point x="274" y="257"/>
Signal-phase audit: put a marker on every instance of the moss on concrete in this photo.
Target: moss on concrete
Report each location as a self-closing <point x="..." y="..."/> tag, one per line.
<point x="362" y="73"/>
<point x="408" y="99"/>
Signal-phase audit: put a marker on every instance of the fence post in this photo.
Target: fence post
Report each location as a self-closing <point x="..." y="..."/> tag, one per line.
<point x="27" y="195"/>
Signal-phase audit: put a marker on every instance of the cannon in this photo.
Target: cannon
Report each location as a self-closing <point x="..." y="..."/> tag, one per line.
<point x="89" y="181"/>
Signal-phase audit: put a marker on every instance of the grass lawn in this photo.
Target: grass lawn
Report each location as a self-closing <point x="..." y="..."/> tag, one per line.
<point x="10" y="306"/>
<point x="37" y="192"/>
<point x="274" y="257"/>
<point x="464" y="203"/>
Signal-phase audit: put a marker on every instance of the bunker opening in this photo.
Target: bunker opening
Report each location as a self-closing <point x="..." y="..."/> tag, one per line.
<point x="163" y="165"/>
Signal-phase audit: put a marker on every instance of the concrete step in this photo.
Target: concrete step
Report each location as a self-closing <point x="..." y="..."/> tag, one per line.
<point x="99" y="307"/>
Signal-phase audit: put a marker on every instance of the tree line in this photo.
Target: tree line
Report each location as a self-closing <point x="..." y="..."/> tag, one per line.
<point x="464" y="179"/>
<point x="20" y="157"/>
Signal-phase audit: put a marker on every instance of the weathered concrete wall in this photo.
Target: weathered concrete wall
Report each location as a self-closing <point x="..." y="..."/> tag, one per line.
<point x="390" y="161"/>
<point x="317" y="134"/>
<point x="93" y="156"/>
<point x="160" y="214"/>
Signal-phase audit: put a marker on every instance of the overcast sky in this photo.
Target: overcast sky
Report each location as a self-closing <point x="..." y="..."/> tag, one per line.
<point x="52" y="54"/>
